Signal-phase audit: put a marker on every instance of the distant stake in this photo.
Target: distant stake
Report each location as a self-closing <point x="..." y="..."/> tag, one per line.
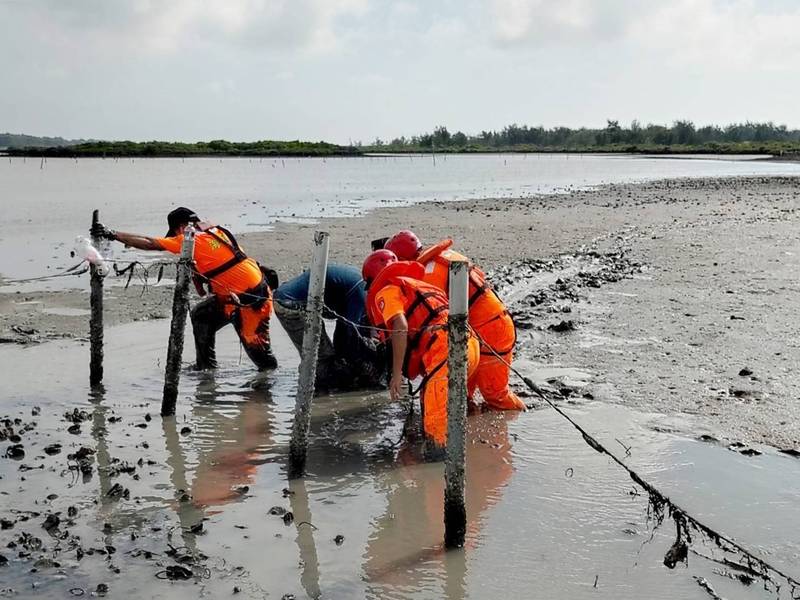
<point x="180" y="306"/>
<point x="96" y="318"/>
<point x="312" y="334"/>
<point x="455" y="512"/>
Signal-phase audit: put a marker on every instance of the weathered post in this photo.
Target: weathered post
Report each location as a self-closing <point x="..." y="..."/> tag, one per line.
<point x="180" y="306"/>
<point x="312" y="334"/>
<point x="96" y="318"/>
<point x="455" y="512"/>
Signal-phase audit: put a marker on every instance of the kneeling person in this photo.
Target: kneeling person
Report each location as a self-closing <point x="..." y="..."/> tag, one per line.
<point x="415" y="315"/>
<point x="353" y="359"/>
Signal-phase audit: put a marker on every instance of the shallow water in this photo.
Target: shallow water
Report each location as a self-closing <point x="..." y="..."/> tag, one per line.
<point x="548" y="517"/>
<point x="46" y="205"/>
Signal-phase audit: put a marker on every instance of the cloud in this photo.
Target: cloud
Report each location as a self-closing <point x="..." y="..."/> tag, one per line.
<point x="723" y="33"/>
<point x="728" y="35"/>
<point x="153" y="25"/>
<point x="543" y="22"/>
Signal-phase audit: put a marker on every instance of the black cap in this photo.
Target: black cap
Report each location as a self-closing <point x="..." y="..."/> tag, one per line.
<point x="180" y="216"/>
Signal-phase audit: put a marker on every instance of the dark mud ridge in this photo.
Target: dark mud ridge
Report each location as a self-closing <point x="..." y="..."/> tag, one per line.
<point x="539" y="290"/>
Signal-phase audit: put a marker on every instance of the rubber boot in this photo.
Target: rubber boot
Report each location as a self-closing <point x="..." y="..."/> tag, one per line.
<point x="207" y="318"/>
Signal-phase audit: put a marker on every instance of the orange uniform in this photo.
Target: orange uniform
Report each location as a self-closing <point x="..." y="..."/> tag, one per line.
<point x="210" y="253"/>
<point x="220" y="262"/>
<point x="397" y="290"/>
<point x="489" y="319"/>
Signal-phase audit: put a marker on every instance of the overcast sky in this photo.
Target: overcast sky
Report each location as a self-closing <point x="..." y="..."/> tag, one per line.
<point x="360" y="69"/>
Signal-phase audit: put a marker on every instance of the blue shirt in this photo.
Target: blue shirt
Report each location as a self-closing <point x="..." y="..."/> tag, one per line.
<point x="345" y="293"/>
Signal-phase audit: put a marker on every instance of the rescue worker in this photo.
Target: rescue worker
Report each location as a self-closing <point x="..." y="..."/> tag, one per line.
<point x="488" y="316"/>
<point x="238" y="291"/>
<point x="353" y="359"/>
<point x="414" y="315"/>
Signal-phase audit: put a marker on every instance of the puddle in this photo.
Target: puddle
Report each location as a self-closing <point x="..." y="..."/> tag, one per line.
<point x="548" y="516"/>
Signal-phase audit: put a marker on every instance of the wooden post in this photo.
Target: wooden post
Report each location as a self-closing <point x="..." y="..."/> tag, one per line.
<point x="180" y="306"/>
<point x="455" y="512"/>
<point x="312" y="334"/>
<point x="96" y="318"/>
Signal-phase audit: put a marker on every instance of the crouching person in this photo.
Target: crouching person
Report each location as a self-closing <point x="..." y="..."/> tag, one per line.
<point x="354" y="359"/>
<point x="414" y="315"/>
<point x="234" y="286"/>
<point x="488" y="317"/>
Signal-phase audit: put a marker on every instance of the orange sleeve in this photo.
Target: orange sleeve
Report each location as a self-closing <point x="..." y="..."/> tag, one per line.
<point x="390" y="302"/>
<point x="170" y="244"/>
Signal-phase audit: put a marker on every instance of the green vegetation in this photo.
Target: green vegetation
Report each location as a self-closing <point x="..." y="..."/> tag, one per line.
<point x="19" y="140"/>
<point x="181" y="149"/>
<point x="681" y="138"/>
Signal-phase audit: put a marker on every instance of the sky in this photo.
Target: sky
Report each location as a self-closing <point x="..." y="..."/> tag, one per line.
<point x="357" y="70"/>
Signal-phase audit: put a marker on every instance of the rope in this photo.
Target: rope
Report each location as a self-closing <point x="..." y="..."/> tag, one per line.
<point x="131" y="266"/>
<point x="65" y="273"/>
<point x="658" y="499"/>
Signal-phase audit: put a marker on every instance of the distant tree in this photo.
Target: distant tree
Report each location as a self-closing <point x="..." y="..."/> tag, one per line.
<point x="683" y="132"/>
<point x="441" y="137"/>
<point x="459" y="139"/>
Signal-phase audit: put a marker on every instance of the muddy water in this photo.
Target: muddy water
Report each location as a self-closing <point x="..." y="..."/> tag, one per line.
<point x="548" y="517"/>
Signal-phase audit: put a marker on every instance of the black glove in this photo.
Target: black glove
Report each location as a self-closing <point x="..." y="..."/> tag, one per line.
<point x="102" y="232"/>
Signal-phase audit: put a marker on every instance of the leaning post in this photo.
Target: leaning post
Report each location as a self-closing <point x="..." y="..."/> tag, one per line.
<point x="180" y="306"/>
<point x="96" y="318"/>
<point x="312" y="333"/>
<point x="455" y="512"/>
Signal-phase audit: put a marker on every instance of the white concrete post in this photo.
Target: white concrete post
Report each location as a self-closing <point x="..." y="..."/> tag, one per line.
<point x="455" y="512"/>
<point x="312" y="333"/>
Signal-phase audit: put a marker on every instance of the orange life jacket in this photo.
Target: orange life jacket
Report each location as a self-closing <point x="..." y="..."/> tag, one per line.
<point x="436" y="261"/>
<point x="255" y="296"/>
<point x="425" y="310"/>
<point x="484" y="304"/>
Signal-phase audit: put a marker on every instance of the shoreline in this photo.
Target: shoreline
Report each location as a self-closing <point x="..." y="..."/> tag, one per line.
<point x="713" y="298"/>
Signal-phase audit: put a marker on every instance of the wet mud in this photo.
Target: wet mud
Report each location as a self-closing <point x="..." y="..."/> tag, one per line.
<point x="662" y="320"/>
<point x="111" y="499"/>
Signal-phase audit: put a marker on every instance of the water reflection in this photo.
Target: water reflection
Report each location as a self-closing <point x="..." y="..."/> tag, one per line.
<point x="405" y="550"/>
<point x="309" y="561"/>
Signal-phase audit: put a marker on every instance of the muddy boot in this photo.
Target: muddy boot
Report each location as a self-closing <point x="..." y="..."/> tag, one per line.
<point x="207" y="319"/>
<point x="262" y="357"/>
<point x="257" y="345"/>
<point x="432" y="452"/>
<point x="326" y="377"/>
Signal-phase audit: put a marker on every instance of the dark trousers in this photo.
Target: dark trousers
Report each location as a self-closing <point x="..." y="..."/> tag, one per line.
<point x="349" y="362"/>
<point x="251" y="324"/>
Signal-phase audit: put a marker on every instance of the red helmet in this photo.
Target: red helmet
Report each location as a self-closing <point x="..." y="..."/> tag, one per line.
<point x="375" y="263"/>
<point x="405" y="244"/>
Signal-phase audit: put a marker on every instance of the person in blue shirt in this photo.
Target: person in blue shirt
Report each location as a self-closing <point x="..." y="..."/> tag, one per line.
<point x="353" y="359"/>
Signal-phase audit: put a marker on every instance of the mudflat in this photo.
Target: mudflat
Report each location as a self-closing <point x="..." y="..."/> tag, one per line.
<point x="676" y="296"/>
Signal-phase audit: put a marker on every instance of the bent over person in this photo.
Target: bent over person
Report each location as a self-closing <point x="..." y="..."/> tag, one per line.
<point x="353" y="359"/>
<point x="488" y="316"/>
<point x="414" y="315"/>
<point x="234" y="286"/>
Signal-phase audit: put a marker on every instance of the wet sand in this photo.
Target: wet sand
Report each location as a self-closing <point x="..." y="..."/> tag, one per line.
<point x="706" y="291"/>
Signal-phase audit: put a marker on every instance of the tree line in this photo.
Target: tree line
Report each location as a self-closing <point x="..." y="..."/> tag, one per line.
<point x="682" y="135"/>
<point x="184" y="149"/>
